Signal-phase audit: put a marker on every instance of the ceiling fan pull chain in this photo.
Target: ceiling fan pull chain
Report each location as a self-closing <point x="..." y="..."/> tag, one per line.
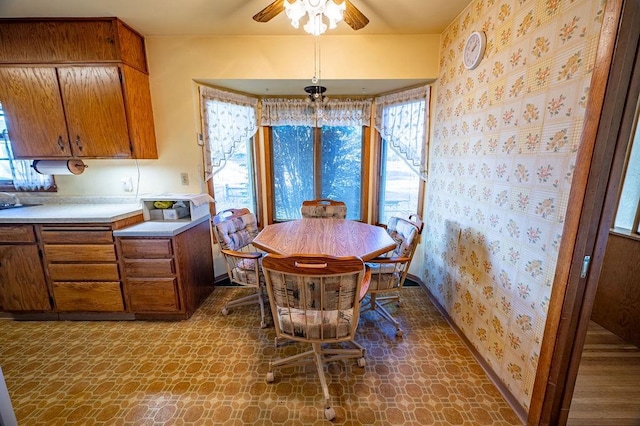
<point x="316" y="60"/>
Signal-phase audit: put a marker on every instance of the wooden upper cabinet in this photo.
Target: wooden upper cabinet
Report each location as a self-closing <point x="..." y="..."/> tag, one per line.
<point x="34" y="112"/>
<point x="94" y="106"/>
<point x="75" y="87"/>
<point x="70" y="40"/>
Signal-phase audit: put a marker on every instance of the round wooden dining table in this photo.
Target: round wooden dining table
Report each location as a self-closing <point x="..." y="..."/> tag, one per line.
<point x="335" y="237"/>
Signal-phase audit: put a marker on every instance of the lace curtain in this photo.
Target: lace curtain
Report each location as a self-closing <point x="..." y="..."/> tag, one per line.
<point x="403" y="121"/>
<point x="300" y="112"/>
<point x="228" y="120"/>
<point x="24" y="177"/>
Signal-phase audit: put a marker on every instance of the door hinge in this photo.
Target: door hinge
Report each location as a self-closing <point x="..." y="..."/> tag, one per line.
<point x="120" y="74"/>
<point x="586" y="262"/>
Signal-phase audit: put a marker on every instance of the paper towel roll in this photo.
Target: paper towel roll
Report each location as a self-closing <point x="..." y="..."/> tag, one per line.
<point x="59" y="167"/>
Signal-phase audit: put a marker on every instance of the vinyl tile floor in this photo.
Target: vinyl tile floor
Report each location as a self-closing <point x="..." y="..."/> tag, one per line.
<point x="210" y="370"/>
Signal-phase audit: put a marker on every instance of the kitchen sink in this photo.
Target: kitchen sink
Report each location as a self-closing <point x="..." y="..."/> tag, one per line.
<point x="5" y="206"/>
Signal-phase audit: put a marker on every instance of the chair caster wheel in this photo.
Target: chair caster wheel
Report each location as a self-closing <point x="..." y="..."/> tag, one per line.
<point x="329" y="413"/>
<point x="362" y="362"/>
<point x="225" y="311"/>
<point x="263" y="324"/>
<point x="399" y="333"/>
<point x="270" y="377"/>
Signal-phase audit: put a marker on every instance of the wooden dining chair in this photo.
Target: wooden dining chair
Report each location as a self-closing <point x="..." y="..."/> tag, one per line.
<point x="324" y="208"/>
<point x="316" y="299"/>
<point x="234" y="230"/>
<point x="389" y="272"/>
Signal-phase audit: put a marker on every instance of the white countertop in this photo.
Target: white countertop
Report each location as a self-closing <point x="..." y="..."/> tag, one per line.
<point x="159" y="228"/>
<point x="70" y="213"/>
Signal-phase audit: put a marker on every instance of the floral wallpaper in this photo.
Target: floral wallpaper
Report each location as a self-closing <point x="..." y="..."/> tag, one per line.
<point x="504" y="143"/>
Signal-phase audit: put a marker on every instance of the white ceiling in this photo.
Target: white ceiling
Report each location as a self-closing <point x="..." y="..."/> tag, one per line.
<point x="234" y="17"/>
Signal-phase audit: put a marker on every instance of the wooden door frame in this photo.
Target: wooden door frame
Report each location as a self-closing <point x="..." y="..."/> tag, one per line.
<point x="592" y="200"/>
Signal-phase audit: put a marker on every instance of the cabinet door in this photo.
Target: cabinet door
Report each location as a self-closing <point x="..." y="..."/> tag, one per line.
<point x="35" y="117"/>
<point x="94" y="106"/>
<point x="22" y="282"/>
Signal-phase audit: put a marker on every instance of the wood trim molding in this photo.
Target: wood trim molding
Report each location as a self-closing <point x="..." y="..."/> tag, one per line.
<point x="578" y="239"/>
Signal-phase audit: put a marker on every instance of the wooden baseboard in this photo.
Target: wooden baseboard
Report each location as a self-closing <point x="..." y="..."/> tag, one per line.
<point x="495" y="379"/>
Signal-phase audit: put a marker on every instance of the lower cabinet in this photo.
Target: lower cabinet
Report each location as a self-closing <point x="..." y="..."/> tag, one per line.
<point x="23" y="287"/>
<point x="83" y="269"/>
<point x="167" y="276"/>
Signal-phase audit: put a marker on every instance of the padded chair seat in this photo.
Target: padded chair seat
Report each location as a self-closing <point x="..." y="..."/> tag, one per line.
<point x="315" y="324"/>
<point x="327" y="212"/>
<point x="246" y="277"/>
<point x="384" y="281"/>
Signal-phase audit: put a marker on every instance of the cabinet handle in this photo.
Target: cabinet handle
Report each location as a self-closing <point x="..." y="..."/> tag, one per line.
<point x="60" y="143"/>
<point x="78" y="144"/>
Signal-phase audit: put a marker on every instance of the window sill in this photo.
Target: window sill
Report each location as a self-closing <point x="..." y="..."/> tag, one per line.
<point x="10" y="188"/>
<point x="625" y="233"/>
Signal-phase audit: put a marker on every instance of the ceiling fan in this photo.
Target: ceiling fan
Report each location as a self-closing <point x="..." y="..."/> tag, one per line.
<point x="352" y="16"/>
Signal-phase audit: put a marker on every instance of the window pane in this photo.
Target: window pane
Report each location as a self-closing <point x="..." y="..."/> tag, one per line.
<point x="630" y="194"/>
<point x="342" y="166"/>
<point x="292" y="169"/>
<point x="399" y="186"/>
<point x="233" y="180"/>
<point x="5" y="160"/>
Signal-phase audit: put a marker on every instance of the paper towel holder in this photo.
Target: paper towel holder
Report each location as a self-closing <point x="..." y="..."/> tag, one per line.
<point x="59" y="167"/>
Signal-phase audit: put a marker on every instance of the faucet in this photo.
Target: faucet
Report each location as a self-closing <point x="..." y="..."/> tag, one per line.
<point x="13" y="197"/>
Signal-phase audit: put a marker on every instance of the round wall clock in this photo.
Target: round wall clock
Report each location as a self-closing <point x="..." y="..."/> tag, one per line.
<point x="474" y="50"/>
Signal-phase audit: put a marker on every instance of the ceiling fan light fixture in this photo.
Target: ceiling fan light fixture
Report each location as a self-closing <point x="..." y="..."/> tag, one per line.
<point x="317" y="11"/>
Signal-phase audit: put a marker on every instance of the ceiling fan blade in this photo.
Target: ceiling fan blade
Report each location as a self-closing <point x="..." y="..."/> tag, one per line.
<point x="269" y="12"/>
<point x="353" y="17"/>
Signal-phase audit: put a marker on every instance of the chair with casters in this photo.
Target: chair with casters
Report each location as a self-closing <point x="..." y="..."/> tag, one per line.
<point x="324" y="208"/>
<point x="234" y="231"/>
<point x="316" y="299"/>
<point x="388" y="272"/>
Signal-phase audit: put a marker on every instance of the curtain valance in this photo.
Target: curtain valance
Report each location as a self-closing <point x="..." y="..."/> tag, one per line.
<point x="403" y="121"/>
<point x="228" y="119"/>
<point x="300" y="112"/>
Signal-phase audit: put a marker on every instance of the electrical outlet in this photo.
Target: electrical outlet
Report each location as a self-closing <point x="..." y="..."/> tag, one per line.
<point x="127" y="184"/>
<point x="184" y="178"/>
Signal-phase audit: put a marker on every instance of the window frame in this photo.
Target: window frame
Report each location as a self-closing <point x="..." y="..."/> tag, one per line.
<point x="317" y="141"/>
<point x="634" y="232"/>
<point x="256" y="173"/>
<point x="377" y="185"/>
<point x="253" y="144"/>
<point x="7" y="185"/>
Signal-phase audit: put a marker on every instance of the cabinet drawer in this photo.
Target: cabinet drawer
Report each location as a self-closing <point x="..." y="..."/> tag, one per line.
<point x="80" y="253"/>
<point x="83" y="272"/>
<point x="151" y="248"/>
<point x="88" y="296"/>
<point x="149" y="267"/>
<point x="77" y="236"/>
<point x="17" y="234"/>
<point x="153" y="295"/>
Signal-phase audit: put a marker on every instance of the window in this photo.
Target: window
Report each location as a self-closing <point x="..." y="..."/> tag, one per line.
<point x="401" y="120"/>
<point x="18" y="175"/>
<point x="317" y="150"/>
<point x="400" y="187"/>
<point x="311" y="162"/>
<point x="229" y="126"/>
<point x="233" y="179"/>
<point x="628" y="213"/>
